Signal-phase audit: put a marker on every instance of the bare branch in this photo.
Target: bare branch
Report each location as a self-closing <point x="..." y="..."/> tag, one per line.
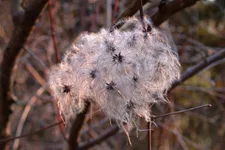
<point x="199" y="67"/>
<point x="182" y="111"/>
<point x="25" y="113"/>
<point x="135" y="6"/>
<point x="21" y="32"/>
<point x="169" y="9"/>
<point x="110" y="132"/>
<point x="57" y="57"/>
<point x="76" y="127"/>
<point x="113" y="130"/>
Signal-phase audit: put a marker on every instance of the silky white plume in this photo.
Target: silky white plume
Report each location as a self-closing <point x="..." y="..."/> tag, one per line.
<point x="123" y="71"/>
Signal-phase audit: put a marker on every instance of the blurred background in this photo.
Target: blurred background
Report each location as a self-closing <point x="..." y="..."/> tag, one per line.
<point x="198" y="32"/>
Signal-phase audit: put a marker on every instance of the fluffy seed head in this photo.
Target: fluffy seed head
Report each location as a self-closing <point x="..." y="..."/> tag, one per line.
<point x="123" y="71"/>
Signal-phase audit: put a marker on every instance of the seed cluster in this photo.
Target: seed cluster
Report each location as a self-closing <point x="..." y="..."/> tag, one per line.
<point x="123" y="71"/>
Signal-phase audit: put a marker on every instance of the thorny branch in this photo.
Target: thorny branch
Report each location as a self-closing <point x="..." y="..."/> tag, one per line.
<point x="21" y="32"/>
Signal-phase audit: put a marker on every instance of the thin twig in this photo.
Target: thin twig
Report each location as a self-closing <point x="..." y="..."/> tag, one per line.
<point x="178" y="135"/>
<point x="35" y="74"/>
<point x="182" y="111"/>
<point x="35" y="57"/>
<point x="142" y="16"/>
<point x="42" y="81"/>
<point x="57" y="57"/>
<point x="149" y="135"/>
<point x="108" y="13"/>
<point x="113" y="130"/>
<point x="29" y="134"/>
<point x="115" y="11"/>
<point x="25" y="113"/>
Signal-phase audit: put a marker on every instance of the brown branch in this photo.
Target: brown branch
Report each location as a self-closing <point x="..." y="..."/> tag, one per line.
<point x="165" y="11"/>
<point x="113" y="130"/>
<point x="57" y="58"/>
<point x="199" y="67"/>
<point x="21" y="32"/>
<point x="76" y="127"/>
<point x="149" y="127"/>
<point x="110" y="132"/>
<point x="169" y="9"/>
<point x="132" y="9"/>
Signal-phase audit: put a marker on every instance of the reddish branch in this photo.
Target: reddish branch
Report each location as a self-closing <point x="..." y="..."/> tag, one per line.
<point x="19" y="37"/>
<point x="57" y="57"/>
<point x="115" y="11"/>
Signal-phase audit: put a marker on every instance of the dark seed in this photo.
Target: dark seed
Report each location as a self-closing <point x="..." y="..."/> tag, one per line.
<point x="130" y="105"/>
<point x="135" y="78"/>
<point x="118" y="58"/>
<point x="110" y="86"/>
<point x="149" y="28"/>
<point x="93" y="74"/>
<point x="66" y="89"/>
